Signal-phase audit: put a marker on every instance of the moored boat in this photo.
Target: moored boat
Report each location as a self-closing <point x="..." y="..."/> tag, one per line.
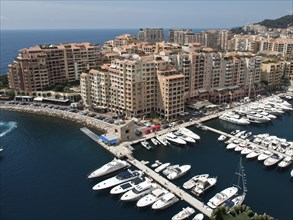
<point x="174" y="139"/>
<point x="222" y="138"/>
<point x="183" y="214"/>
<point x="203" y="184"/>
<point x="166" y="201"/>
<point x="162" y="140"/>
<point x="191" y="182"/>
<point x="198" y="216"/>
<point x="254" y="153"/>
<point x="156" y="164"/>
<point x="124" y="187"/>
<point x="285" y="162"/>
<point x="162" y="167"/>
<point x="112" y="166"/>
<point x="151" y="197"/>
<point x="178" y="172"/>
<point x="264" y="155"/>
<point x="154" y="141"/>
<point x="189" y="133"/>
<point x="272" y="160"/>
<point x="146" y="145"/>
<point x="222" y="196"/>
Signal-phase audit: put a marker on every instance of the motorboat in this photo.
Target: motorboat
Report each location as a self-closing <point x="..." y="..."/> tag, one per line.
<point x="162" y="167"/>
<point x="285" y="162"/>
<point x="191" y="183"/>
<point x="146" y="145"/>
<point x="189" y="133"/>
<point x="112" y="166"/>
<point x="222" y="138"/>
<point x="254" y="153"/>
<point x="264" y="155"/>
<point x="139" y="191"/>
<point x="246" y="135"/>
<point x="151" y="198"/>
<point x="236" y="200"/>
<point x="166" y="201"/>
<point x="234" y="132"/>
<point x="239" y="134"/>
<point x="155" y="141"/>
<point x="222" y="196"/>
<point x="240" y="146"/>
<point x="174" y="139"/>
<point x="266" y="114"/>
<point x="156" y="164"/>
<point x="124" y="187"/>
<point x="291" y="173"/>
<point x="231" y="146"/>
<point x="234" y="118"/>
<point x="170" y="169"/>
<point x="272" y="160"/>
<point x="203" y="184"/>
<point x="184" y="137"/>
<point x="198" y="216"/>
<point x="255" y="116"/>
<point x="184" y="213"/>
<point x="178" y="172"/>
<point x="162" y="140"/>
<point x="201" y="127"/>
<point x="121" y="177"/>
<point x="247" y="150"/>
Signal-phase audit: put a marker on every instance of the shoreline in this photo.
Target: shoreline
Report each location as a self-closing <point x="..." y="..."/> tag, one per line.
<point x="56" y="113"/>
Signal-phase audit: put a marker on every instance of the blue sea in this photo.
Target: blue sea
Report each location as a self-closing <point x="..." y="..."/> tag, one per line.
<point x="45" y="163"/>
<point x="14" y="40"/>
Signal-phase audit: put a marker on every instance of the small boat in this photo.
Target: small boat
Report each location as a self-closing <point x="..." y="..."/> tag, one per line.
<point x="156" y="164"/>
<point x="231" y="146"/>
<point x="272" y="160"/>
<point x="124" y="187"/>
<point x="234" y="132"/>
<point x="264" y="155"/>
<point x="184" y="137"/>
<point x="174" y="139"/>
<point x="203" y="184"/>
<point x="121" y="177"/>
<point x="254" y="153"/>
<point x="191" y="183"/>
<point x="146" y="145"/>
<point x="222" y="138"/>
<point x="198" y="216"/>
<point x="151" y="198"/>
<point x="162" y="167"/>
<point x="162" y="140"/>
<point x="155" y="141"/>
<point x="170" y="169"/>
<point x="189" y="133"/>
<point x="222" y="196"/>
<point x="166" y="201"/>
<point x="291" y="173"/>
<point x="183" y="214"/>
<point x="240" y="146"/>
<point x="285" y="162"/>
<point x="139" y="191"/>
<point x="178" y="172"/>
<point x="236" y="200"/>
<point x="201" y="127"/>
<point x="112" y="166"/>
<point x="247" y="150"/>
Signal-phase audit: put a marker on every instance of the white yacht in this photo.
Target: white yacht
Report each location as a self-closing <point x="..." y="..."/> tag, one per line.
<point x="146" y="145"/>
<point x="254" y="153"/>
<point x="233" y="118"/>
<point x="240" y="146"/>
<point x="203" y="184"/>
<point x="151" y="197"/>
<point x="239" y="134"/>
<point x="121" y="177"/>
<point x="235" y="132"/>
<point x="178" y="172"/>
<point x="162" y="167"/>
<point x="183" y="214"/>
<point x="266" y="114"/>
<point x="124" y="187"/>
<point x="189" y="133"/>
<point x="291" y="173"/>
<point x="285" y="162"/>
<point x="110" y="167"/>
<point x="174" y="139"/>
<point x="236" y="200"/>
<point x="257" y="118"/>
<point x="264" y="155"/>
<point x="272" y="160"/>
<point x="156" y="164"/>
<point x="184" y="137"/>
<point x="222" y="138"/>
<point x="191" y="183"/>
<point x="231" y="146"/>
<point x="166" y="201"/>
<point x="139" y="191"/>
<point x="198" y="216"/>
<point x="222" y="196"/>
<point x="162" y="140"/>
<point x="154" y="141"/>
<point x="170" y="169"/>
<point x="247" y="150"/>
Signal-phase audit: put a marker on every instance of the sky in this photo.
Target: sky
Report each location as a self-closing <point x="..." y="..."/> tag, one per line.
<point x="68" y="14"/>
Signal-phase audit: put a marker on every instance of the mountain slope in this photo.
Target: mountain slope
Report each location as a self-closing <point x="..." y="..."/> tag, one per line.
<point x="283" y="22"/>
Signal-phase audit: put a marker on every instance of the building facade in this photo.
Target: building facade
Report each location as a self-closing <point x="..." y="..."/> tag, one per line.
<point x="151" y="35"/>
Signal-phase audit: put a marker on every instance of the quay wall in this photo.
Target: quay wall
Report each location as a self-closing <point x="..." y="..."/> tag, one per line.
<point x="74" y="117"/>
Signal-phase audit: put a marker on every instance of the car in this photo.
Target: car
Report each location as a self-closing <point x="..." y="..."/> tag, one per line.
<point x="138" y="132"/>
<point x="147" y="124"/>
<point x="165" y="126"/>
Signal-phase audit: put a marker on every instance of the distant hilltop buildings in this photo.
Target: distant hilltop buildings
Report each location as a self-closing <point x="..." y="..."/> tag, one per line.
<point x="144" y="75"/>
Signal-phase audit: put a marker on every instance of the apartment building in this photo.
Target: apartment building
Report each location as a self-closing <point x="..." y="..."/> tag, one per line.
<point x="180" y="36"/>
<point x="135" y="86"/>
<point x="40" y="67"/>
<point x="151" y="35"/>
<point x="272" y="74"/>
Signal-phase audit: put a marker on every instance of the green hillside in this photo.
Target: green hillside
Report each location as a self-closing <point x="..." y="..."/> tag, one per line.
<point x="282" y="22"/>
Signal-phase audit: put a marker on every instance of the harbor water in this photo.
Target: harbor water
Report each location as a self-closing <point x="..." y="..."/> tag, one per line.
<point x="45" y="163"/>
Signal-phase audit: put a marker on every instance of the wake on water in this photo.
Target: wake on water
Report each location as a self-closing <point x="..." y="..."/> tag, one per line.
<point x="6" y="127"/>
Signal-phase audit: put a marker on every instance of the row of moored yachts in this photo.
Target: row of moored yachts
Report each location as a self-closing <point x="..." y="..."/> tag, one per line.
<point x="271" y="150"/>
<point x="181" y="137"/>
<point x="260" y="112"/>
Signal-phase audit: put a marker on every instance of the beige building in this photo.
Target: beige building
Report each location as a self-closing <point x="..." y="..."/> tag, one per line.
<point x="271" y="74"/>
<point x="151" y="35"/>
<point x="40" y="67"/>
